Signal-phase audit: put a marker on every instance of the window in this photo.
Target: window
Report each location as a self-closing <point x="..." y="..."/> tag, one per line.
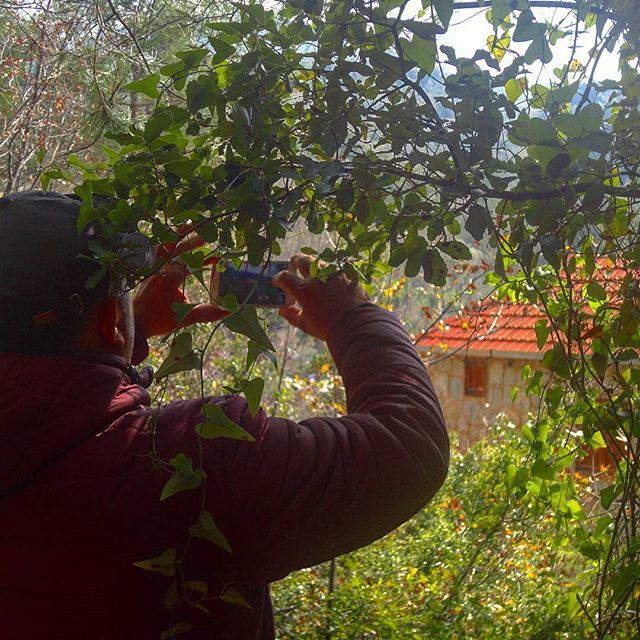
<point x="597" y="461"/>
<point x="475" y="378"/>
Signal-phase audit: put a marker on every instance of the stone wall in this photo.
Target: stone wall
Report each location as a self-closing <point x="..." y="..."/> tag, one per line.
<point x="469" y="416"/>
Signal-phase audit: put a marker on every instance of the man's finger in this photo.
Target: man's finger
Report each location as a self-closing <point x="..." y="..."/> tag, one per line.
<point x="302" y="263"/>
<point x="289" y="282"/>
<point x="293" y="315"/>
<point x="204" y="313"/>
<point x="189" y="242"/>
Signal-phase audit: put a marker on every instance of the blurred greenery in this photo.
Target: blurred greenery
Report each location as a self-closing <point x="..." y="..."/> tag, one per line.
<point x="474" y="564"/>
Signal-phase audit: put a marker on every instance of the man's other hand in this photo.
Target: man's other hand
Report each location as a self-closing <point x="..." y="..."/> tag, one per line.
<point x="319" y="304"/>
<point x="155" y="297"/>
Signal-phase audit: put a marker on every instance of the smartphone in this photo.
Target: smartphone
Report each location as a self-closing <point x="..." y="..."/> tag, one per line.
<point x="252" y="285"/>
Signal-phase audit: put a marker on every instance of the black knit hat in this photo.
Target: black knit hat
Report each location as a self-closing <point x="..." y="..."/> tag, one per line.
<point x="47" y="267"/>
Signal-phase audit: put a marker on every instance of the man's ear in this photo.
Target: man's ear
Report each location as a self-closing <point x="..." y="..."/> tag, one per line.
<point x="108" y="320"/>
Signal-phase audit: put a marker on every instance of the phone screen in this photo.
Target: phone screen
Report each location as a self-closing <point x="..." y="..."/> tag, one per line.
<point x="252" y="285"/>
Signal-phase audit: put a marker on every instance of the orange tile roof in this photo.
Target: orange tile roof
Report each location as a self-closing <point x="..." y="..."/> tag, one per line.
<point x="500" y="326"/>
<point x="492" y="326"/>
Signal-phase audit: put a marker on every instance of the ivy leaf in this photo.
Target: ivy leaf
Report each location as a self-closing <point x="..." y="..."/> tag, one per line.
<point x="527" y="28"/>
<point x="253" y="393"/>
<point x="206" y="528"/>
<point x="245" y="322"/>
<point x="424" y="30"/>
<point x="591" y="117"/>
<point x="514" y="87"/>
<point x="223" y="50"/>
<point x="156" y="124"/>
<point x="176" y="629"/>
<point x="165" y="563"/>
<point x="542" y="333"/>
<point x="218" y="425"/>
<point x="233" y="596"/>
<point x="423" y="53"/>
<point x="254" y="351"/>
<point x="192" y="57"/>
<point x="183" y="479"/>
<point x="148" y="86"/>
<point x="542" y="469"/>
<point x="181" y="357"/>
<point x="444" y="9"/>
<point x="201" y="93"/>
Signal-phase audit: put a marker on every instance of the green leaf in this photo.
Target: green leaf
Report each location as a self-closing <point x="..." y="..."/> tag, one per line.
<point x="569" y="124"/>
<point x="555" y="359"/>
<point x="444" y="9"/>
<point x="156" y="124"/>
<point x="206" y="528"/>
<point x="254" y="350"/>
<point x="510" y="476"/>
<point x="425" y="30"/>
<point x="608" y="495"/>
<point x="539" y="49"/>
<point x="478" y="221"/>
<point x="572" y="606"/>
<point x="201" y="93"/>
<point x="591" y="117"/>
<point x="253" y="393"/>
<point x="192" y="57"/>
<point x="223" y="50"/>
<point x="514" y="88"/>
<point x="434" y="268"/>
<point x="542" y="469"/>
<point x="183" y="168"/>
<point x="600" y="362"/>
<point x="181" y="357"/>
<point x="217" y="425"/>
<point x="423" y="53"/>
<point x="596" y="291"/>
<point x="456" y="249"/>
<point x="542" y="333"/>
<point x="164" y="563"/>
<point x="183" y="479"/>
<point x="245" y="322"/>
<point x="148" y="86"/>
<point x="626" y="578"/>
<point x="344" y="196"/>
<point x="528" y="29"/>
<point x="176" y="629"/>
<point x="233" y="596"/>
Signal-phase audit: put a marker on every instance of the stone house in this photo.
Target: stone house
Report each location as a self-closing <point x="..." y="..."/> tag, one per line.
<point x="476" y="360"/>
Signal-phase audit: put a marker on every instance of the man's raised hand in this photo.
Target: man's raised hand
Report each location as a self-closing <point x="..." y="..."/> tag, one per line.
<point x="319" y="304"/>
<point x="154" y="298"/>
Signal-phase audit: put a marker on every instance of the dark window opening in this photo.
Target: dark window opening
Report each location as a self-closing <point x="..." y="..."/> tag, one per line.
<point x="475" y="378"/>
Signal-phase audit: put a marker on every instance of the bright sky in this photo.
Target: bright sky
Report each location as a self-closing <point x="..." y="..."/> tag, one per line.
<point x="469" y="30"/>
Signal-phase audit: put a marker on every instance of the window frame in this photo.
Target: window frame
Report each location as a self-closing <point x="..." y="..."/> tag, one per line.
<point x="471" y="387"/>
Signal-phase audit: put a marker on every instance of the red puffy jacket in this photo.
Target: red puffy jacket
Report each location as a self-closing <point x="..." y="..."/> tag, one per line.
<point x="80" y="494"/>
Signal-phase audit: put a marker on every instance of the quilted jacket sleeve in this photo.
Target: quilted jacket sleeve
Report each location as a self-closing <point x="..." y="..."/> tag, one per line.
<point x="306" y="492"/>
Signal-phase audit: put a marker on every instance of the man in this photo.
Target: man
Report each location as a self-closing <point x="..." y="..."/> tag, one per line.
<point x="81" y="450"/>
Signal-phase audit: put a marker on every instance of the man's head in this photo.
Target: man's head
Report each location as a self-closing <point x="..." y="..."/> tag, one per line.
<point x="46" y="306"/>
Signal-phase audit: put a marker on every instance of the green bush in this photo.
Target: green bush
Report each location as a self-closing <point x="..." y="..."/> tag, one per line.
<point x="473" y="564"/>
